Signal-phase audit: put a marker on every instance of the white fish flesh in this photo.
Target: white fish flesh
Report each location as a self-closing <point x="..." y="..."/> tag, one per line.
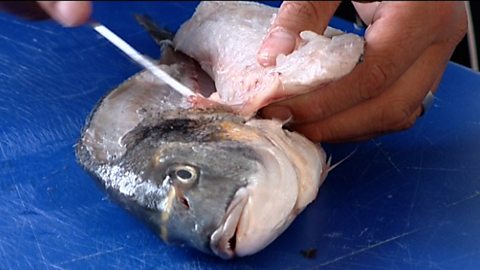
<point x="224" y="37"/>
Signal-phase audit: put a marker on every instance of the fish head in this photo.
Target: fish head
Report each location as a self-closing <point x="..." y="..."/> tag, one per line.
<point x="211" y="181"/>
<point x="229" y="188"/>
<point x="203" y="182"/>
<point x="190" y="180"/>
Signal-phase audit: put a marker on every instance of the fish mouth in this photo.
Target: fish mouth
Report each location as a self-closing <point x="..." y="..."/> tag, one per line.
<point x="223" y="239"/>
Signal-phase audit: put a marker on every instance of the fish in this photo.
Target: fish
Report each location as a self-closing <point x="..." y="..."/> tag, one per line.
<point x="203" y="173"/>
<point x="238" y="29"/>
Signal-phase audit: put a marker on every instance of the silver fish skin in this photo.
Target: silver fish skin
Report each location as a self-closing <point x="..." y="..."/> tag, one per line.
<point x="200" y="176"/>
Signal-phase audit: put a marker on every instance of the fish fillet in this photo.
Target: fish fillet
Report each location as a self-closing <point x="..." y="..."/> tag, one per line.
<point x="224" y="37"/>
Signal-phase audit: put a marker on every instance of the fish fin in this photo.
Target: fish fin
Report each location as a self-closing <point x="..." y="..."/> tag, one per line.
<point x="329" y="161"/>
<point x="170" y="56"/>
<point x="159" y="34"/>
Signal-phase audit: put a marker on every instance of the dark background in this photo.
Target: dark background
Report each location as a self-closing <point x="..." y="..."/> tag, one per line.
<point x="461" y="54"/>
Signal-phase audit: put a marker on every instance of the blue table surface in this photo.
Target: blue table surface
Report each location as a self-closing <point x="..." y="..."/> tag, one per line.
<point x="409" y="200"/>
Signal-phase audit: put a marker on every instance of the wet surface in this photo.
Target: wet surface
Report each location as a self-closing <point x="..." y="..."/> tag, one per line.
<point x="409" y="200"/>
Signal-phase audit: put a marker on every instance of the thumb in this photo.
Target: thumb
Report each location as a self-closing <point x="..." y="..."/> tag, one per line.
<point x="294" y="17"/>
<point x="68" y="13"/>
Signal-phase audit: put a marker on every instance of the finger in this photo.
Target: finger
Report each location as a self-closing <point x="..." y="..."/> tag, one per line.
<point x="388" y="54"/>
<point x="26" y="9"/>
<point x="373" y="134"/>
<point x="292" y="18"/>
<point x="419" y="112"/>
<point x="68" y="13"/>
<point x="365" y="10"/>
<point x="427" y="104"/>
<point x="396" y="109"/>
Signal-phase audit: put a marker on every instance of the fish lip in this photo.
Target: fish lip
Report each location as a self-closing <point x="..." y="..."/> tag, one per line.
<point x="220" y="239"/>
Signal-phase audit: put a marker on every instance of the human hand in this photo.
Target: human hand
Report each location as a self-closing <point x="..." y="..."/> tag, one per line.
<point x="408" y="45"/>
<point x="67" y="13"/>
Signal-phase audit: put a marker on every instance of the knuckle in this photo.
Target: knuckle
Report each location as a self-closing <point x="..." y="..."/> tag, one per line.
<point x="295" y="8"/>
<point x="461" y="31"/>
<point x="324" y="133"/>
<point x="407" y="123"/>
<point x="375" y="79"/>
<point x="454" y="21"/>
<point x="322" y="108"/>
<point x="299" y="15"/>
<point x="395" y="116"/>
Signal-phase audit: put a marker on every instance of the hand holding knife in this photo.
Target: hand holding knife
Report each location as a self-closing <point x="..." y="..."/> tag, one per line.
<point x="44" y="9"/>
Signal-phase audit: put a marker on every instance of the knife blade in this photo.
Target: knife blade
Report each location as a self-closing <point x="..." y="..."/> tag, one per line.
<point x="141" y="59"/>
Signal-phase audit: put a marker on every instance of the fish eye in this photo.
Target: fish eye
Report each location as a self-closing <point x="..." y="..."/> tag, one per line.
<point x="184" y="174"/>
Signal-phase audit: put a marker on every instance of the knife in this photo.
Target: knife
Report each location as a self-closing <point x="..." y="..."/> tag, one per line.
<point x="140" y="59"/>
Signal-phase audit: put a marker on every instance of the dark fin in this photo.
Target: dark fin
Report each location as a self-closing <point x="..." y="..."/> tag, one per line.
<point x="159" y="34"/>
<point x="162" y="37"/>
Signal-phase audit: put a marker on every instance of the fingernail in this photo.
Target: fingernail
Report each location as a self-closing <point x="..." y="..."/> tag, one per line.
<point x="278" y="41"/>
<point x="71" y="13"/>
<point x="276" y="112"/>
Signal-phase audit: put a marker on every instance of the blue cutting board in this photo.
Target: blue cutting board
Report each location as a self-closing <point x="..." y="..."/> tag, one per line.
<point x="409" y="200"/>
